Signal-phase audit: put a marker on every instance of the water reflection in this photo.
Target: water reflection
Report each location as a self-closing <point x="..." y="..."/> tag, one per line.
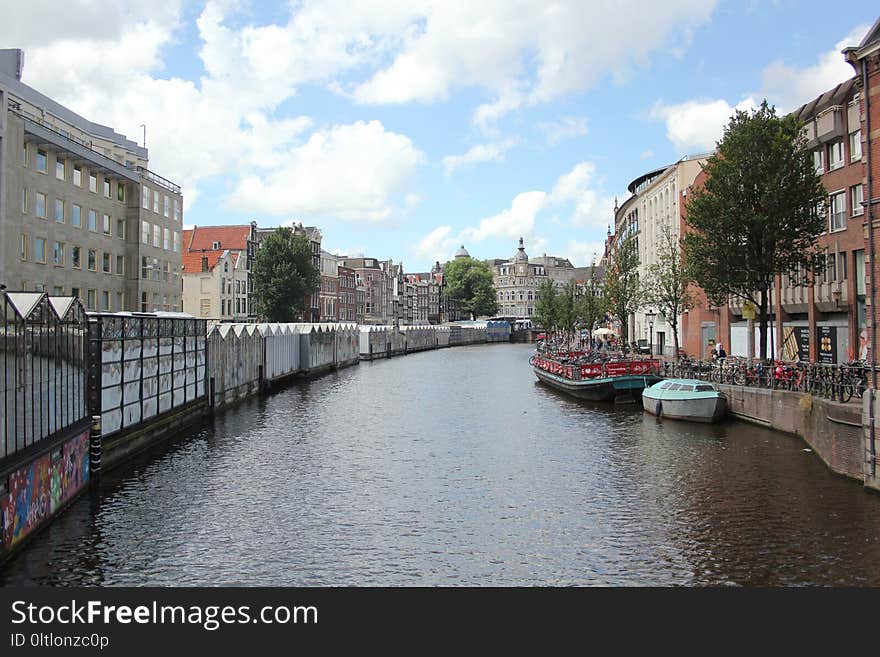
<point x="456" y="467"/>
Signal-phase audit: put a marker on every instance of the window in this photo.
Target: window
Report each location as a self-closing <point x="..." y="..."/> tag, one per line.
<point x="120" y="228"/>
<point x="856" y="195"/>
<point x="835" y="155"/>
<point x="60" y="169"/>
<point x="77" y="176"/>
<point x="106" y="262"/>
<point x="145" y="267"/>
<point x="59" y="210"/>
<point x="105" y="300"/>
<point x="40" y="250"/>
<point x="93" y="221"/>
<point x="156" y="200"/>
<point x="855" y="146"/>
<point x="167" y="206"/>
<point x="166" y="239"/>
<point x="120" y="192"/>
<point x="93" y="182"/>
<point x="176" y="210"/>
<point x="120" y="265"/>
<point x="24" y="155"/>
<point x="204" y="307"/>
<point x="76" y="217"/>
<point x="145" y="232"/>
<point x="841" y="258"/>
<point x="145" y="198"/>
<point x="143" y="302"/>
<point x="58" y="290"/>
<point x="42" y="161"/>
<point x="120" y="301"/>
<point x="93" y="260"/>
<point x="176" y="241"/>
<point x="23" y="248"/>
<point x="166" y="271"/>
<point x="76" y="257"/>
<point x="76" y="292"/>
<point x="819" y="159"/>
<point x="40" y="205"/>
<point x="156" y="236"/>
<point x="107" y="188"/>
<point x="24" y="200"/>
<point x="91" y="300"/>
<point x="58" y="253"/>
<point x="831" y="268"/>
<point x="105" y="224"/>
<point x="838" y="211"/>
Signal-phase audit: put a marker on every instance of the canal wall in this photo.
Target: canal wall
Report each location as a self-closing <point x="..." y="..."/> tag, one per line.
<point x="832" y="430"/>
<point x="871" y="438"/>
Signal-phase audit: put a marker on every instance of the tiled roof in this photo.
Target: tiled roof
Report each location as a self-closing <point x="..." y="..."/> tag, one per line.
<point x="230" y="237"/>
<point x="839" y="95"/>
<point x="192" y="262"/>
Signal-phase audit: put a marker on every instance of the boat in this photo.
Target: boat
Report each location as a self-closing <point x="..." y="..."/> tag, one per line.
<point x="685" y="399"/>
<point x="613" y="380"/>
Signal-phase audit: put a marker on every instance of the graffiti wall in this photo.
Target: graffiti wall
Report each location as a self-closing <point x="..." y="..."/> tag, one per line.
<point x="36" y="491"/>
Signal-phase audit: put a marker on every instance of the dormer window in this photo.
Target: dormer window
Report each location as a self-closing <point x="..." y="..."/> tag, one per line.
<point x="215" y="245"/>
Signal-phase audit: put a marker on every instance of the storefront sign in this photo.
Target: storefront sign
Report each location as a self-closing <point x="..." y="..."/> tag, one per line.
<point x="826" y="341"/>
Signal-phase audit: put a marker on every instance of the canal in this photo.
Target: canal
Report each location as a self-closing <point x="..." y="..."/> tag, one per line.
<point x="455" y="467"/>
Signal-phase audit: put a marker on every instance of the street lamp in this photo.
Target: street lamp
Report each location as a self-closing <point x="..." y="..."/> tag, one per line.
<point x="649" y="316"/>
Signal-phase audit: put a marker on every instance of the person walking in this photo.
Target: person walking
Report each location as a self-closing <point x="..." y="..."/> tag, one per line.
<point x="720" y="354"/>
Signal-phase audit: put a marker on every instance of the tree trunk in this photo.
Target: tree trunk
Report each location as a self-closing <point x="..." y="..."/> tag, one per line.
<point x="674" y="325"/>
<point x="763" y="324"/>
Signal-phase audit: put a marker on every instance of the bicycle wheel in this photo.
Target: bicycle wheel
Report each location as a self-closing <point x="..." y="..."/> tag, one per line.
<point x="739" y="377"/>
<point x="846" y="392"/>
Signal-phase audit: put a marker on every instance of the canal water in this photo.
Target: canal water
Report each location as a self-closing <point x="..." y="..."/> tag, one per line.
<point x="455" y="467"/>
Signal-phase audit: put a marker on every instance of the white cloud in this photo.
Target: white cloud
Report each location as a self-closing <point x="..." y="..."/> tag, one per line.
<point x="436" y="246"/>
<point x="697" y="125"/>
<point x="789" y="87"/>
<point x="564" y="128"/>
<point x="476" y="154"/>
<point x="517" y="220"/>
<point x="583" y="254"/>
<point x="591" y="208"/>
<point x="647" y="154"/>
<point x="352" y="172"/>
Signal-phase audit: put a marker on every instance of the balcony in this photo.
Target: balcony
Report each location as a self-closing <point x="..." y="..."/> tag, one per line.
<point x="830" y="124"/>
<point x="795" y="298"/>
<point x="831" y="297"/>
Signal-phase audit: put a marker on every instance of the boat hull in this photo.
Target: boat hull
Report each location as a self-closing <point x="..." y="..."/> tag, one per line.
<point x="618" y="388"/>
<point x="706" y="409"/>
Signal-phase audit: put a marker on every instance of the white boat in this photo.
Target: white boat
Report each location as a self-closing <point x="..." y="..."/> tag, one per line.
<point x="685" y="399"/>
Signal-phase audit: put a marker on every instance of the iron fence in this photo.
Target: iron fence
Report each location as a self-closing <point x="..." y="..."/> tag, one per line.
<point x="144" y="365"/>
<point x="44" y="369"/>
<point x="836" y="382"/>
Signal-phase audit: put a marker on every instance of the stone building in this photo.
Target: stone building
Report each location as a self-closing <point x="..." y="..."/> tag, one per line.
<point x="81" y="214"/>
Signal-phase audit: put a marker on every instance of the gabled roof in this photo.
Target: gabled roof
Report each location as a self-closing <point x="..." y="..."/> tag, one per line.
<point x="202" y="238"/>
<point x="192" y="262"/>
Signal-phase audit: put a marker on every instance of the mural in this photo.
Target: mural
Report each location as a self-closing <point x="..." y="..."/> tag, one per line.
<point x="39" y="489"/>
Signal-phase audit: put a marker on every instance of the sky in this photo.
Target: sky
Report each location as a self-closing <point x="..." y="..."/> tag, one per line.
<point x="404" y="129"/>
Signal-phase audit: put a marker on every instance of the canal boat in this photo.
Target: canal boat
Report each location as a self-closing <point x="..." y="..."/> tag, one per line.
<point x="613" y="380"/>
<point x="685" y="399"/>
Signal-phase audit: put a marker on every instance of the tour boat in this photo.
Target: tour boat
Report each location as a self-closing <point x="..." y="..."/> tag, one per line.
<point x="615" y="380"/>
<point x="685" y="399"/>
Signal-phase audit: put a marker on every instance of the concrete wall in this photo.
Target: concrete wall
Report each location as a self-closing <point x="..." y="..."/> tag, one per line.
<point x="831" y="429"/>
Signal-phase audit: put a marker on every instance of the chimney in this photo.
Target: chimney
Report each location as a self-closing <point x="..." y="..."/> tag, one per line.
<point x="204" y="263"/>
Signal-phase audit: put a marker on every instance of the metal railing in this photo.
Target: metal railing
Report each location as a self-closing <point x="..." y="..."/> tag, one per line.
<point x="43" y="390"/>
<point x="836" y="382"/>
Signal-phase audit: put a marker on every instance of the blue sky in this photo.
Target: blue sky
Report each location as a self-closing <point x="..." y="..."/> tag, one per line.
<point x="404" y="129"/>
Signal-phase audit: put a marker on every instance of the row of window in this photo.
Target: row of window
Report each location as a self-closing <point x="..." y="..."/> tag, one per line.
<point x="837" y="207"/>
<point x="64" y="212"/>
<point x="161" y="203"/>
<point x="63" y="168"/>
<point x="162" y="238"/>
<point x="42" y="251"/>
<point x="835" y="153"/>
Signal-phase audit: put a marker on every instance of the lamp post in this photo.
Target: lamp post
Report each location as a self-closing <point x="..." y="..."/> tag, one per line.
<point x="649" y="316"/>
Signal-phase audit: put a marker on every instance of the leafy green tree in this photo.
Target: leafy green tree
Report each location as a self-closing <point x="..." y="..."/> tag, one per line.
<point x="592" y="305"/>
<point x="469" y="282"/>
<point x="666" y="287"/>
<point x="284" y="276"/>
<point x="546" y="306"/>
<point x="623" y="289"/>
<point x="566" y="309"/>
<point x="759" y="214"/>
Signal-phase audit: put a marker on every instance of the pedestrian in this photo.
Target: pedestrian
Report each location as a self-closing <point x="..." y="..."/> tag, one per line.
<point x="719" y="352"/>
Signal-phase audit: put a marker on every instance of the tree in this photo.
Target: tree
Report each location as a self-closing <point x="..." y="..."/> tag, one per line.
<point x="284" y="276"/>
<point x="668" y="280"/>
<point x="546" y="307"/>
<point x="469" y="282"/>
<point x="623" y="289"/>
<point x="592" y="304"/>
<point x="759" y="214"/>
<point x="566" y="309"/>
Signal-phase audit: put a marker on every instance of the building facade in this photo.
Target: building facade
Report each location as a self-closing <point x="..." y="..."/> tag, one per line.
<point x="82" y="214"/>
